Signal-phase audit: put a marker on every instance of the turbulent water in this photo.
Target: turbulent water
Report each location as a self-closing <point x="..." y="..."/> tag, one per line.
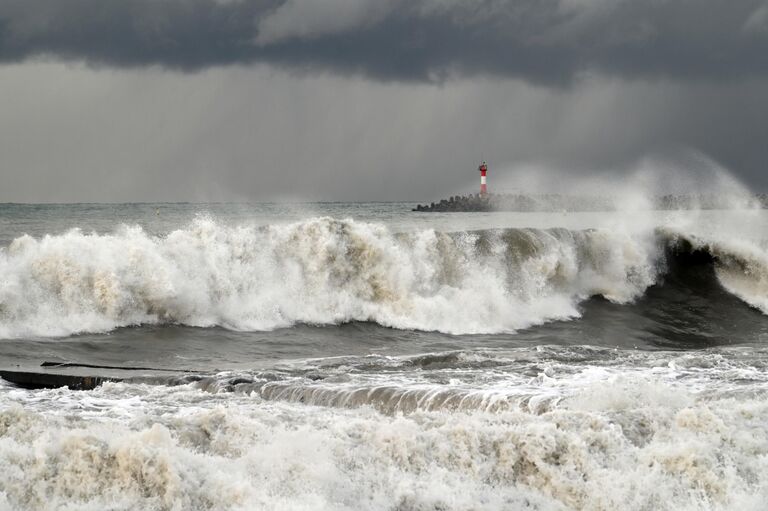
<point x="360" y="356"/>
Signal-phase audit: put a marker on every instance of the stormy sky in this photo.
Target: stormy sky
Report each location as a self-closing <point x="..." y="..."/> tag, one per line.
<point x="145" y="100"/>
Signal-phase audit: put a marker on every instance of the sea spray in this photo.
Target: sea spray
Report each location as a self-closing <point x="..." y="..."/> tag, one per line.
<point x="317" y="271"/>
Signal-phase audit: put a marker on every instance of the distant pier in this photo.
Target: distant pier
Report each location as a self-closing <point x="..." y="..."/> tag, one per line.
<point x="474" y="202"/>
<point x="570" y="203"/>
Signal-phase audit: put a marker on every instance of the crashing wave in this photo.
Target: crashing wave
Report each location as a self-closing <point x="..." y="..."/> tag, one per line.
<point x="329" y="271"/>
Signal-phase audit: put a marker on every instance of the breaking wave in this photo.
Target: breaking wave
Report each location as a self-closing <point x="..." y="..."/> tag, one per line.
<point x="660" y="432"/>
<point x="328" y="271"/>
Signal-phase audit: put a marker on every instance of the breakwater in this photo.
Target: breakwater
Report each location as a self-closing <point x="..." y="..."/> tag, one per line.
<point x="558" y="202"/>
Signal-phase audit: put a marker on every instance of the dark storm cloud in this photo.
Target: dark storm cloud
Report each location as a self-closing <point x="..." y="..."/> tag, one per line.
<point x="545" y="41"/>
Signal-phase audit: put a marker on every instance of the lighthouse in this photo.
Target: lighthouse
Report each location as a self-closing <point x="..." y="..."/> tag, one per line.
<point x="483" y="168"/>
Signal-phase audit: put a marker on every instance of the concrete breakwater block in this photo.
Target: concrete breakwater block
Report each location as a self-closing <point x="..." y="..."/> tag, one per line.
<point x="42" y="380"/>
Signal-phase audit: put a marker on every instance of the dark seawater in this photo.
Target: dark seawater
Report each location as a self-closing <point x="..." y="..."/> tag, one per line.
<point x="361" y="356"/>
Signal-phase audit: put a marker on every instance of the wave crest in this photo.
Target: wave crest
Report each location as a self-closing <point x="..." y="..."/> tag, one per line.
<point x="317" y="271"/>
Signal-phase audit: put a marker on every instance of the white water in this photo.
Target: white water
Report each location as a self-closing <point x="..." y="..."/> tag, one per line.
<point x="536" y="427"/>
<point x="317" y="271"/>
<point x="667" y="431"/>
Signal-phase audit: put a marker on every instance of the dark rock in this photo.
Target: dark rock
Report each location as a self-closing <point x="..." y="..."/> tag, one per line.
<point x="32" y="380"/>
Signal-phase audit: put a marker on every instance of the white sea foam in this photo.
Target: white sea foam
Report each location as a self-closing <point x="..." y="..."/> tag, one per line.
<point x="317" y="271"/>
<point x="646" y="438"/>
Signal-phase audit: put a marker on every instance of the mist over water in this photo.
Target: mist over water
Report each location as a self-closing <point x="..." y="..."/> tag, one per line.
<point x="360" y="356"/>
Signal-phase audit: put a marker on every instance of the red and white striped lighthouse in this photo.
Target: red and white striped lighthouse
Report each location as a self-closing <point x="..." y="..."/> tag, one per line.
<point x="483" y="168"/>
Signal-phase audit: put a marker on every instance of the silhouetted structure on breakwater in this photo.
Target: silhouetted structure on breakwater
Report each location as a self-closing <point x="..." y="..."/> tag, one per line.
<point x="557" y="202"/>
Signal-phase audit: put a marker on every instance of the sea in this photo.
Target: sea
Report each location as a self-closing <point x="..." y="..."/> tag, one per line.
<point x="362" y="356"/>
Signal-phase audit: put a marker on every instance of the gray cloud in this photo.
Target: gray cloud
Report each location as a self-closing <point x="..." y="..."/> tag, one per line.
<point x="71" y="133"/>
<point x="542" y="41"/>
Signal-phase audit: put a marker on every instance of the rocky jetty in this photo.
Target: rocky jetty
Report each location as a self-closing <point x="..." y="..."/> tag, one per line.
<point x="558" y="202"/>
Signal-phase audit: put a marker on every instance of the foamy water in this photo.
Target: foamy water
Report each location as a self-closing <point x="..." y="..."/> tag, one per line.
<point x="317" y="271"/>
<point x="362" y="357"/>
<point x="662" y="431"/>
